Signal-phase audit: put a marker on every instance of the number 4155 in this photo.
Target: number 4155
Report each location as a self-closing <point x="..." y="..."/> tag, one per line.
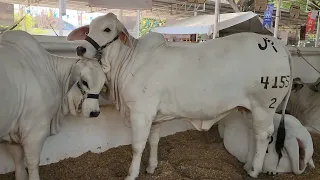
<point x="282" y="80"/>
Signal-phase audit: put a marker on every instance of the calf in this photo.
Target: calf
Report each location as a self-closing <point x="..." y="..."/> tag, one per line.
<point x="238" y="139"/>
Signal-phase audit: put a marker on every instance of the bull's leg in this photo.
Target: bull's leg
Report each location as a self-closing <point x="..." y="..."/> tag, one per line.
<point x="17" y="153"/>
<point x="263" y="128"/>
<point x="251" y="150"/>
<point x="154" y="138"/>
<point x="140" y="125"/>
<point x="32" y="146"/>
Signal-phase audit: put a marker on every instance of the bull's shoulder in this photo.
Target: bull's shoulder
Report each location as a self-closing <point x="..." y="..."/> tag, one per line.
<point x="22" y="39"/>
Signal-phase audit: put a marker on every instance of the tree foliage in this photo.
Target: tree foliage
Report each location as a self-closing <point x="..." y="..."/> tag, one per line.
<point x="146" y="24"/>
<point x="247" y="5"/>
<point x="27" y="24"/>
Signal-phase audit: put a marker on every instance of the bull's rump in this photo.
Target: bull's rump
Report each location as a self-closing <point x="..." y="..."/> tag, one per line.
<point x="210" y="78"/>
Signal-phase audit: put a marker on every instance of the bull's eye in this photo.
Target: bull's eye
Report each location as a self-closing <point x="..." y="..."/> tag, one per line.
<point x="85" y="83"/>
<point x="106" y="30"/>
<point x="86" y="33"/>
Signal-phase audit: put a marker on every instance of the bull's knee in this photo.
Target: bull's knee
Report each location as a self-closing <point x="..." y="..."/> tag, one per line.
<point x="262" y="134"/>
<point x="137" y="148"/>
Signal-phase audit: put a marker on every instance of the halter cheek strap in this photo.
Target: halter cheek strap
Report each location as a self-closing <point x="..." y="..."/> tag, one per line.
<point x="98" y="47"/>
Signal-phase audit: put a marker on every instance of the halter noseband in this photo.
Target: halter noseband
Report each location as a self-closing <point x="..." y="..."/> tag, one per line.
<point x="85" y="96"/>
<point x="98" y="47"/>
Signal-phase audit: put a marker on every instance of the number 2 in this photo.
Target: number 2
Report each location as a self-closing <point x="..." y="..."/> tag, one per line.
<point x="273" y="100"/>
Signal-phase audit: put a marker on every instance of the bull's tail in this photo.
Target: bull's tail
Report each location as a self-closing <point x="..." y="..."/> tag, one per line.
<point x="281" y="134"/>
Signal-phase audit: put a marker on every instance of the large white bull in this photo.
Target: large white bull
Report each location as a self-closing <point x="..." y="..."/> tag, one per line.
<point x="239" y="141"/>
<point x="152" y="82"/>
<point x="37" y="90"/>
<point x="304" y="103"/>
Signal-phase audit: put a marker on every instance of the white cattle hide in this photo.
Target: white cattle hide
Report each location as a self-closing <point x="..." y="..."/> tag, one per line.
<point x="152" y="81"/>
<point x="37" y="89"/>
<point x="304" y="104"/>
<point x="237" y="134"/>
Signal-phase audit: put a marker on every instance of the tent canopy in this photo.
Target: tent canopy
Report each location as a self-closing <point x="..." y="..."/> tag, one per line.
<point x="121" y="4"/>
<point x="203" y="24"/>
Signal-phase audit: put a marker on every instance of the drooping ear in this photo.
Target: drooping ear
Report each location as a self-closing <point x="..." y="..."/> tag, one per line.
<point x="105" y="66"/>
<point x="293" y="149"/>
<point x="79" y="33"/>
<point x="124" y="35"/>
<point x="105" y="92"/>
<point x="317" y="85"/>
<point x="297" y="84"/>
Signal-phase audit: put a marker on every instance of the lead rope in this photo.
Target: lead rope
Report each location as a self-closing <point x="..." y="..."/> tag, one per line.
<point x="300" y="55"/>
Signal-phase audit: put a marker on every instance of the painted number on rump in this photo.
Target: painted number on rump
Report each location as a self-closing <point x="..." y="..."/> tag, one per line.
<point x="273" y="100"/>
<point x="279" y="82"/>
<point x="265" y="46"/>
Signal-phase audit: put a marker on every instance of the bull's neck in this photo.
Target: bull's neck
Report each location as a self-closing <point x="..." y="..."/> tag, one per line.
<point x="119" y="54"/>
<point x="62" y="67"/>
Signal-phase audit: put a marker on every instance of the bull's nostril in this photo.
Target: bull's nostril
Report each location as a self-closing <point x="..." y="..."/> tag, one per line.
<point x="83" y="50"/>
<point x="80" y="50"/>
<point x="94" y="113"/>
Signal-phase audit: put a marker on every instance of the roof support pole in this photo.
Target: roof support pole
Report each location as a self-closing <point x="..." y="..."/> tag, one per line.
<point x="62" y="12"/>
<point x="195" y="13"/>
<point x="216" y="19"/>
<point x="120" y="17"/>
<point x="276" y="25"/>
<point x="318" y="29"/>
<point x="138" y="24"/>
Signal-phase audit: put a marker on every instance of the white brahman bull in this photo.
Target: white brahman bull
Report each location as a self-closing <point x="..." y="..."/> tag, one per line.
<point x="152" y="82"/>
<point x="37" y="89"/>
<point x="237" y="137"/>
<point x="304" y="104"/>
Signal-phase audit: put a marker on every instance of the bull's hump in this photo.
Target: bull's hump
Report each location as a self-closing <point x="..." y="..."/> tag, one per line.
<point x="22" y="39"/>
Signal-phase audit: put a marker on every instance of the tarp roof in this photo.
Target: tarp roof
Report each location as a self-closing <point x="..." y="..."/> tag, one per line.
<point x="203" y="24"/>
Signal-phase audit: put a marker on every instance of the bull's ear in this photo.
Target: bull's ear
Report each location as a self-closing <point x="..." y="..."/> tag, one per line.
<point x="317" y="85"/>
<point x="124" y="35"/>
<point x="297" y="84"/>
<point x="295" y="156"/>
<point x="105" y="66"/>
<point x="79" y="33"/>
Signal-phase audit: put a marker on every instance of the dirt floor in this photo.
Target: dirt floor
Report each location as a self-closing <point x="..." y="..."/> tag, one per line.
<point x="181" y="156"/>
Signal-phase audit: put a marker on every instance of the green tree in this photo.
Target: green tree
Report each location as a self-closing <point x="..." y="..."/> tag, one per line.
<point x="146" y="24"/>
<point x="27" y="24"/>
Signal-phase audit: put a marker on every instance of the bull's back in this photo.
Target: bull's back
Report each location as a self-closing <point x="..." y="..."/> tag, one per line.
<point x="220" y="74"/>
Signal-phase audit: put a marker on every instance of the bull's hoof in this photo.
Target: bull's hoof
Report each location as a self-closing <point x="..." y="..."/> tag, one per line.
<point x="130" y="178"/>
<point x="248" y="178"/>
<point x="253" y="174"/>
<point x="150" y="170"/>
<point x="272" y="173"/>
<point x="247" y="167"/>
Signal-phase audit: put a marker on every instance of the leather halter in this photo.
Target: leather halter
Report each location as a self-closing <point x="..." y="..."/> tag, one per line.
<point x="99" y="48"/>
